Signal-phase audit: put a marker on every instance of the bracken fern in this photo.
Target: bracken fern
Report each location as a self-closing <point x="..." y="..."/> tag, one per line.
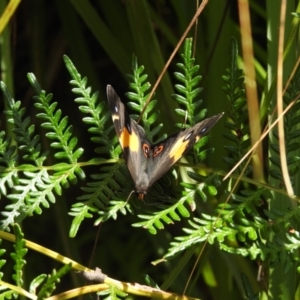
<point x="245" y="220"/>
<point x="188" y="91"/>
<point x="31" y="183"/>
<point x="40" y="287"/>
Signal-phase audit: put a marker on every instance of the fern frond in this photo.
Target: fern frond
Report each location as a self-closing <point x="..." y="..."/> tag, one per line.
<point x="213" y="229"/>
<point x="2" y="261"/>
<point x="97" y="113"/>
<point x="241" y="223"/>
<point x="31" y="184"/>
<point x="187" y="92"/>
<point x="208" y="183"/>
<point x="99" y="192"/>
<point x="56" y="127"/>
<point x="51" y="281"/>
<point x="98" y="195"/>
<point x="168" y="215"/>
<point x="36" y="283"/>
<point x="7" y="295"/>
<point x="112" y="293"/>
<point x="232" y="222"/>
<point x="28" y="144"/>
<point x="9" y="170"/>
<point x="46" y="283"/>
<point x="139" y="86"/>
<point x="292" y="134"/>
<point x="103" y="186"/>
<point x="8" y="159"/>
<point x="114" y="208"/>
<point x="238" y="130"/>
<point x="18" y="256"/>
<point x="188" y="89"/>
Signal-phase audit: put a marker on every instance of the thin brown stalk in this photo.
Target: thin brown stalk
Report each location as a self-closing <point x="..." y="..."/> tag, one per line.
<point x="194" y="19"/>
<point x="251" y="88"/>
<point x="282" y="149"/>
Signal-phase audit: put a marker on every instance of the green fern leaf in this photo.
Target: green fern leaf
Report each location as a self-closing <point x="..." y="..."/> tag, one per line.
<point x="17" y="256"/>
<point x="50" y="284"/>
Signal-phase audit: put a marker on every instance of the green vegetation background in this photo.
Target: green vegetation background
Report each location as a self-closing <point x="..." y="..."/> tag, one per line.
<point x="100" y="38"/>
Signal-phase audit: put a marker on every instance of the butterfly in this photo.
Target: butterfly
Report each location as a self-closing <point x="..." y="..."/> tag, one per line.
<point x="148" y="162"/>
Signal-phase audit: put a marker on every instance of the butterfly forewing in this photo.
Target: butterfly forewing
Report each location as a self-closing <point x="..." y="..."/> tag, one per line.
<point x="175" y="146"/>
<point x="130" y="134"/>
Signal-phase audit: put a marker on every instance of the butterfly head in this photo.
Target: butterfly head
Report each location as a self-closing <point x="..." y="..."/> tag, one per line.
<point x="142" y="185"/>
<point x="141" y="195"/>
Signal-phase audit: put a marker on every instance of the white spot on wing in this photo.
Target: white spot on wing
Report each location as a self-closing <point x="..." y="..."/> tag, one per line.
<point x="115" y="117"/>
<point x="188" y="136"/>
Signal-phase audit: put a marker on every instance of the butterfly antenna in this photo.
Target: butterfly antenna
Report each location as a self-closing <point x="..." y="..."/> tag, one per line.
<point x="129" y="197"/>
<point x="185" y="118"/>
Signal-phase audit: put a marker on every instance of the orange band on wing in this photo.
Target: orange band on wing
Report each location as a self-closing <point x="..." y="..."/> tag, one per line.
<point x="178" y="149"/>
<point x="129" y="140"/>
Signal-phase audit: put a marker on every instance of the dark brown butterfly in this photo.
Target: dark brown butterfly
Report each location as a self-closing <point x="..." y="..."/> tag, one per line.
<point x="147" y="162"/>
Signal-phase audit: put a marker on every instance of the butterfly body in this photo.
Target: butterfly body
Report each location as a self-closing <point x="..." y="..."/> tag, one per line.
<point x="148" y="162"/>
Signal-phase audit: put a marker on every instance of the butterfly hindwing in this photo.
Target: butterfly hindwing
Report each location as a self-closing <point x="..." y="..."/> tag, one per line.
<point x="175" y="146"/>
